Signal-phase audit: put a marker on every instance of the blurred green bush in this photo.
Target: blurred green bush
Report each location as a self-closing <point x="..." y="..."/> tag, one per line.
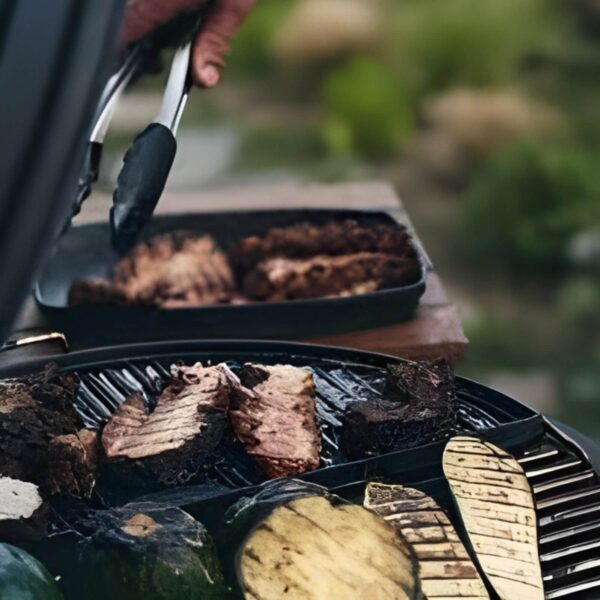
<point x="523" y="209"/>
<point x="251" y="53"/>
<point x="440" y="44"/>
<point x="366" y="110"/>
<point x="579" y="301"/>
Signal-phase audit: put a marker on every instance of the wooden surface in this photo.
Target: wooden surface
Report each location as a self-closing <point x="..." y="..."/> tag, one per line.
<point x="434" y="332"/>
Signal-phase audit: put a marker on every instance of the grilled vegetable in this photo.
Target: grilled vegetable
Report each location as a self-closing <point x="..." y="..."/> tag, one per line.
<point x="498" y="511"/>
<point x="445" y="568"/>
<point x="315" y="546"/>
<point x="136" y="553"/>
<point x="22" y="577"/>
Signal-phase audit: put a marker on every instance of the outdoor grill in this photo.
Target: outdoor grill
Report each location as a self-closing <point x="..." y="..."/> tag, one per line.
<point x="564" y="481"/>
<point x="123" y="351"/>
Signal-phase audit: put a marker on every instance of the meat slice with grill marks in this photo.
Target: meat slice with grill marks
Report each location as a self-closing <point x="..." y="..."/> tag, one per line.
<point x="187" y="423"/>
<point x="274" y="417"/>
<point x="296" y="278"/>
<point x="168" y="271"/>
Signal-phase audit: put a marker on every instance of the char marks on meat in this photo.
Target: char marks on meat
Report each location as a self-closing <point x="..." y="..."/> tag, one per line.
<point x="169" y="271"/>
<point x="419" y="407"/>
<point x="187" y="423"/>
<point x="275" y="419"/>
<point x="293" y="278"/>
<point x="41" y="440"/>
<point x="334" y="238"/>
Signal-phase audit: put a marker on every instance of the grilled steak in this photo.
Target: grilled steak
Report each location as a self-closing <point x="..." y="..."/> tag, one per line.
<point x="275" y="419"/>
<point x="291" y="278"/>
<point x="335" y="238"/>
<point x="169" y="271"/>
<point x="187" y="423"/>
<point x="40" y="436"/>
<point x="420" y="407"/>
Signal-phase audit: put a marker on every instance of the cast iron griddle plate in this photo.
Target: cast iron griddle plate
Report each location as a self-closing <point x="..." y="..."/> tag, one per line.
<point x="85" y="252"/>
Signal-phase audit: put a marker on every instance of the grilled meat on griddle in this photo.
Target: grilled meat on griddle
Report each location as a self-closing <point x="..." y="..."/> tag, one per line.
<point x="168" y="271"/>
<point x="275" y="419"/>
<point x="345" y="275"/>
<point x="187" y="423"/>
<point x="335" y="238"/>
<point x="41" y="439"/>
<point x="419" y="408"/>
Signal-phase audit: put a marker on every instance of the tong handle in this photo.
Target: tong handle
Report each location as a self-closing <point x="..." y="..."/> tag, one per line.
<point x="142" y="179"/>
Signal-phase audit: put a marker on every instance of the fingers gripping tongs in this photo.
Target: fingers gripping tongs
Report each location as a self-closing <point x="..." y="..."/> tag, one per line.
<point x="148" y="161"/>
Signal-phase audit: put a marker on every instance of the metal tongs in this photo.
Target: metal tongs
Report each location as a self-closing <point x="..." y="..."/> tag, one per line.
<point x="148" y="161"/>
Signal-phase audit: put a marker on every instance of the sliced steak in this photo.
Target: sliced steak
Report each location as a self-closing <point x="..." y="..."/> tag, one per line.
<point x="168" y="271"/>
<point x="334" y="239"/>
<point x="275" y="419"/>
<point x="288" y="278"/>
<point x="185" y="426"/>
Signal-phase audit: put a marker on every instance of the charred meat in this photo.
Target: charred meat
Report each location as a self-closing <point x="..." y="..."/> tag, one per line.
<point x="168" y="271"/>
<point x="345" y="275"/>
<point x="175" y="437"/>
<point x="275" y="419"/>
<point x="420" y="407"/>
<point x="41" y="440"/>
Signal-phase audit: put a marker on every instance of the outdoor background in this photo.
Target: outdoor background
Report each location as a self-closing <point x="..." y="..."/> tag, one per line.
<point x="484" y="114"/>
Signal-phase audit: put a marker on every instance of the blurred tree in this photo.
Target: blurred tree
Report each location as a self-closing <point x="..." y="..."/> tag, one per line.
<point x="367" y="112"/>
<point x="524" y="208"/>
<point x="440" y="44"/>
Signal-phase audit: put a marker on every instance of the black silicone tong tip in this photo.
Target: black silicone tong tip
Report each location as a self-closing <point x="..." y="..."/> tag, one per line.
<point x="142" y="179"/>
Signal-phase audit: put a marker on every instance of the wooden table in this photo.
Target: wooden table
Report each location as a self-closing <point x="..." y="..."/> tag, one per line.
<point x="435" y="332"/>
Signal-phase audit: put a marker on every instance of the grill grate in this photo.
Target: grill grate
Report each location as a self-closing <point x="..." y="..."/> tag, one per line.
<point x="567" y="494"/>
<point x="566" y="489"/>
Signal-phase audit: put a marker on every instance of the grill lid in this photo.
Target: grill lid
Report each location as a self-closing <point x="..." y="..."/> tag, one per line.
<point x="54" y="61"/>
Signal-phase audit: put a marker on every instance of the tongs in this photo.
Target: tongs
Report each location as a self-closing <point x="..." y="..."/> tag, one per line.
<point x="148" y="161"/>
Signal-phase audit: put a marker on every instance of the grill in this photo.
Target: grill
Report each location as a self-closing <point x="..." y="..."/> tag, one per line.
<point x="565" y="486"/>
<point x="567" y="494"/>
<point x="101" y="391"/>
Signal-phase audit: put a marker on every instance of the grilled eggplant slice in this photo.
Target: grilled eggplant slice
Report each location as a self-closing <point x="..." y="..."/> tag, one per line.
<point x="445" y="568"/>
<point x="498" y="511"/>
<point x="316" y="546"/>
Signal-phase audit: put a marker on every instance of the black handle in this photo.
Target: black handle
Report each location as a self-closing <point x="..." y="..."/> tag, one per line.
<point x="142" y="179"/>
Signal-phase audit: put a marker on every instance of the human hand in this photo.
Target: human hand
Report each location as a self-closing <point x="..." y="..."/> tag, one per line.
<point x="211" y="44"/>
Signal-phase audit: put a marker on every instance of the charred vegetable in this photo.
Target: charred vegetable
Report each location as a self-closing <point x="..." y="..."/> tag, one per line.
<point x="445" y="568"/>
<point x="315" y="546"/>
<point x="22" y="577"/>
<point x="136" y="553"/>
<point x="498" y="511"/>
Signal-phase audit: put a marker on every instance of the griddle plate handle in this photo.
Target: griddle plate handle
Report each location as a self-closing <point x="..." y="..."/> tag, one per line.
<point x="142" y="179"/>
